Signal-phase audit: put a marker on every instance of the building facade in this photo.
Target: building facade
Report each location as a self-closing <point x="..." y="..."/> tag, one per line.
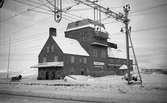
<point x="83" y="51"/>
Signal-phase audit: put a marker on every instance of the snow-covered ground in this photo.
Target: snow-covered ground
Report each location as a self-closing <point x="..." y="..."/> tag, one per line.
<point x="105" y="89"/>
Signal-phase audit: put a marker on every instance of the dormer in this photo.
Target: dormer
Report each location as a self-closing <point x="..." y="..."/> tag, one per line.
<point x="86" y="28"/>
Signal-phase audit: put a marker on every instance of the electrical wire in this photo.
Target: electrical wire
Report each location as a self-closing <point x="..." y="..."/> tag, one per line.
<point x="146" y="29"/>
<point x="65" y="11"/>
<point x="146" y="9"/>
<point x="65" y="17"/>
<point x="114" y="22"/>
<point x="22" y="12"/>
<point x="51" y="10"/>
<point x="29" y="3"/>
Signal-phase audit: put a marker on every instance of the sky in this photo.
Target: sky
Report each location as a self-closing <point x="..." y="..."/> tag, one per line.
<point x="27" y="31"/>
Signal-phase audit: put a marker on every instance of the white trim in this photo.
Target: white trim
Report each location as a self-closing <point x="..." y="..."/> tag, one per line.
<point x="96" y="43"/>
<point x="49" y="64"/>
<point x="114" y="64"/>
<point x="98" y="63"/>
<point x="79" y="27"/>
<point x="88" y="25"/>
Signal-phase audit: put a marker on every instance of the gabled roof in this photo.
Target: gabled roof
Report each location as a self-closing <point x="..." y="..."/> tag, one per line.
<point x="70" y="46"/>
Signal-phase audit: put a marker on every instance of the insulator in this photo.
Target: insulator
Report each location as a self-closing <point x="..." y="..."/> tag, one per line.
<point x="57" y="10"/>
<point x="122" y="30"/>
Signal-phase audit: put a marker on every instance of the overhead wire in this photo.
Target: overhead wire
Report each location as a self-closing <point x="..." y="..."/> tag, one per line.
<point x="22" y="12"/>
<point x="51" y="10"/>
<point x="147" y="29"/>
<point x="135" y="13"/>
<point x="29" y="3"/>
<point x="66" y="17"/>
<point x="113" y="22"/>
<point x="149" y="8"/>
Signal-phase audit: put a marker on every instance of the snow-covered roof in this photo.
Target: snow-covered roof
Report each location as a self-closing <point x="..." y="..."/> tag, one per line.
<point x="123" y="67"/>
<point x="83" y="22"/>
<point x="70" y="46"/>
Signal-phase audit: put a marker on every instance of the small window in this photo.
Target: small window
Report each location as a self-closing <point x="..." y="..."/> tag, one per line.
<point x="41" y="73"/>
<point x="47" y="49"/>
<point x="85" y="60"/>
<point x="72" y="59"/>
<point x="80" y="60"/>
<point x="103" y="53"/>
<point x="44" y="59"/>
<point x="52" y="48"/>
<point x="56" y="58"/>
<point x="98" y="68"/>
<point x="95" y="52"/>
<point x="84" y="36"/>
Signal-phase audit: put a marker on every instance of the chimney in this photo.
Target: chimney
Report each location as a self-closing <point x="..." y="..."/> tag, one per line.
<point x="52" y="31"/>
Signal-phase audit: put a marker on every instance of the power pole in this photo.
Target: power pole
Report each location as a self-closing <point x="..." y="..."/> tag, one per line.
<point x="126" y="9"/>
<point x="8" y="57"/>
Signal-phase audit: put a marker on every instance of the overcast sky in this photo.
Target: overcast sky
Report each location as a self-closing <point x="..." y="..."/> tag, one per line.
<point x="29" y="31"/>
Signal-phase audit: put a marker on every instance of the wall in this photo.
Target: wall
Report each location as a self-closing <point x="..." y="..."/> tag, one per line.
<point x="50" y="56"/>
<point x="77" y="66"/>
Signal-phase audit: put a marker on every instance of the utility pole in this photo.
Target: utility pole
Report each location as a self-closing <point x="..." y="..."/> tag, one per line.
<point x="126" y="9"/>
<point x="9" y="57"/>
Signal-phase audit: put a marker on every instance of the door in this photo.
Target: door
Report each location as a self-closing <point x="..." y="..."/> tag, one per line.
<point x="53" y="75"/>
<point x="47" y="75"/>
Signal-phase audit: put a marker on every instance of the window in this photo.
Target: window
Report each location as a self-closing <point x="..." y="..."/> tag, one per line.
<point x="41" y="73"/>
<point x="47" y="49"/>
<point x="84" y="60"/>
<point x="44" y="59"/>
<point x="72" y="59"/>
<point x="103" y="53"/>
<point x="95" y="52"/>
<point x="84" y="34"/>
<point x="80" y="60"/>
<point x="52" y="48"/>
<point x="56" y="58"/>
<point x="98" y="68"/>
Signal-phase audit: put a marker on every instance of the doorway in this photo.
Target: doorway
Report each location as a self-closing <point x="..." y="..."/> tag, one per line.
<point x="53" y="75"/>
<point x="47" y="75"/>
<point x="82" y="72"/>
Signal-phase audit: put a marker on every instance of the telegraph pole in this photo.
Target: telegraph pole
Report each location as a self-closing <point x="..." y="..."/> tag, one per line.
<point x="8" y="57"/>
<point x="126" y="9"/>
